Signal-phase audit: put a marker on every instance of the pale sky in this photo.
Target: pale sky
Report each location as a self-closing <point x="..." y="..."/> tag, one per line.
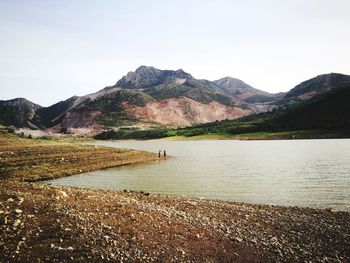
<point x="52" y="50"/>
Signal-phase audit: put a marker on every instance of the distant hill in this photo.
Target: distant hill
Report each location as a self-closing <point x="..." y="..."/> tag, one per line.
<point x="18" y="112"/>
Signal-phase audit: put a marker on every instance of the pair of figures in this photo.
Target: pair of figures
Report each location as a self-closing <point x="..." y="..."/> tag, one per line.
<point x="160" y="153"/>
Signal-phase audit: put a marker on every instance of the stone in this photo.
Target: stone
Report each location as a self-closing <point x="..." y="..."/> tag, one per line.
<point x="21" y="199"/>
<point x="238" y="239"/>
<point x="333" y="210"/>
<point x="273" y="239"/>
<point x="17" y="223"/>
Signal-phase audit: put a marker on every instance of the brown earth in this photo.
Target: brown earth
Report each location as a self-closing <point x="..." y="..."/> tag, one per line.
<point x="184" y="112"/>
<point x="42" y="223"/>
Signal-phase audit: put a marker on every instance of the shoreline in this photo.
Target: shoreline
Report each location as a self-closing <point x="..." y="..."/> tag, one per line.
<point x="56" y="223"/>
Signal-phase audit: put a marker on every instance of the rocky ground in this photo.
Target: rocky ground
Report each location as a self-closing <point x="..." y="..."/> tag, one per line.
<point x="42" y="223"/>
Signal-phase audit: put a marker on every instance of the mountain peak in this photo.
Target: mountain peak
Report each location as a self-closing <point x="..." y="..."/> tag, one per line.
<point x="23" y="102"/>
<point x="146" y="76"/>
<point x="18" y="112"/>
<point x="234" y="85"/>
<point x="229" y="82"/>
<point x="146" y="70"/>
<point x="180" y="70"/>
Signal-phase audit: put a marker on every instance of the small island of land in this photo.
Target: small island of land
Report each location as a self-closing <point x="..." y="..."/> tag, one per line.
<point x="43" y="223"/>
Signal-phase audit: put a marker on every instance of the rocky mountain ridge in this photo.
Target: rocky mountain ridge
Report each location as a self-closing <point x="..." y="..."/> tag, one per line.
<point x="149" y="97"/>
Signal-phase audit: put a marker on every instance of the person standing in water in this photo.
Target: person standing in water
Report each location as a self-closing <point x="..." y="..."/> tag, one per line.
<point x="164" y="152"/>
<point x="159" y="152"/>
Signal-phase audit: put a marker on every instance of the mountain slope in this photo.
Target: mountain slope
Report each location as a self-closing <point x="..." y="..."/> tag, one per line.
<point x="18" y="112"/>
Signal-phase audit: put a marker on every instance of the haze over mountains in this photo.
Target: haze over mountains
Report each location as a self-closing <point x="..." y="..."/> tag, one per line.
<point x="151" y="97"/>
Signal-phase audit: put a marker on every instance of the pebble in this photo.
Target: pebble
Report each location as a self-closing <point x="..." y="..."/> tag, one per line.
<point x="63" y="194"/>
<point x="333" y="210"/>
<point x="17" y="223"/>
<point x="21" y="199"/>
<point x="238" y="239"/>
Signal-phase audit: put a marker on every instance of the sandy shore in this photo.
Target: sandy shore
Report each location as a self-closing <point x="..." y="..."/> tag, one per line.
<point x="42" y="223"/>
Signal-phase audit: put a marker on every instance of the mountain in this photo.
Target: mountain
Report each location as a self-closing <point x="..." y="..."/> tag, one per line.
<point x="165" y="84"/>
<point x="148" y="97"/>
<point x="151" y="98"/>
<point x="18" y="112"/>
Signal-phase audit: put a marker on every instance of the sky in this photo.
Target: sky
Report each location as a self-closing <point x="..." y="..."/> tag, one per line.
<point x="52" y="50"/>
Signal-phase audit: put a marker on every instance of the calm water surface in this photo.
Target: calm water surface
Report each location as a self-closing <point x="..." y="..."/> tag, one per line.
<point x="314" y="173"/>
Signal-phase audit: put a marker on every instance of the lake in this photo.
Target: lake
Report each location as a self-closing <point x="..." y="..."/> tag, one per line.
<point x="312" y="173"/>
